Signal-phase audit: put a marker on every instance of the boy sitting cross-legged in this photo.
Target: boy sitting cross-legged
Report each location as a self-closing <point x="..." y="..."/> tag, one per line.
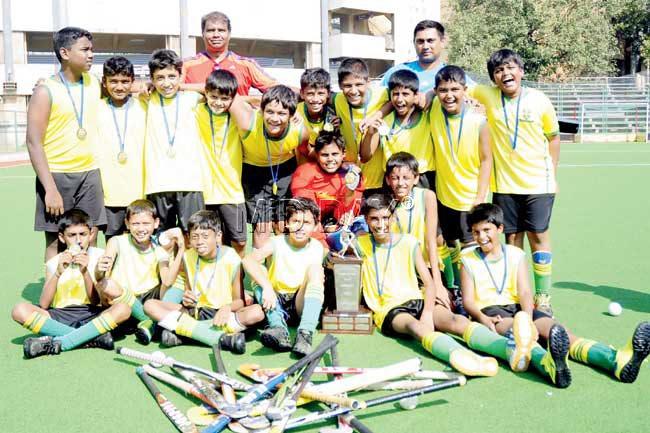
<point x="212" y="305"/>
<point x="68" y="314"/>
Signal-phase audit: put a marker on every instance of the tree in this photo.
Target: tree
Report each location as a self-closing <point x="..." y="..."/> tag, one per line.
<point x="631" y="22"/>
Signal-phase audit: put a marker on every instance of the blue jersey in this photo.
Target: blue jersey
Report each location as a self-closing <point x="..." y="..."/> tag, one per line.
<point x="427" y="78"/>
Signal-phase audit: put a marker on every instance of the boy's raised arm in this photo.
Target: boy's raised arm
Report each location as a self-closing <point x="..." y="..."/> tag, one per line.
<point x="370" y="141"/>
<point x="52" y="274"/>
<point x="169" y="270"/>
<point x="106" y="261"/>
<point x="242" y="113"/>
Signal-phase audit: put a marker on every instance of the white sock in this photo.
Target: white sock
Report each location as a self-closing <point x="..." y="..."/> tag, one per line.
<point x="170" y="321"/>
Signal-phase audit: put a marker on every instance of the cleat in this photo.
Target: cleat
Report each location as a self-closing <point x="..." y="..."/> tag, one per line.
<point x="235" y="343"/>
<point x="525" y="335"/>
<point x="104" y="341"/>
<point x="629" y="359"/>
<point x="471" y="364"/>
<point x="543" y="303"/>
<point x="555" y="360"/>
<point x="302" y="346"/>
<point x="38" y="346"/>
<point x="170" y="339"/>
<point x="144" y="332"/>
<point x="276" y="339"/>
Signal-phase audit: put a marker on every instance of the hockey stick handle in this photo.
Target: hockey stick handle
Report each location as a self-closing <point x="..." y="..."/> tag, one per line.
<point x="174" y="381"/>
<point x="332" y="399"/>
<point x="226" y="390"/>
<point x="354" y="422"/>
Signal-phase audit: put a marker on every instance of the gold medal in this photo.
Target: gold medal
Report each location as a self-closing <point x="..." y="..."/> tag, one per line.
<point x="122" y="157"/>
<point x="383" y="130"/>
<point x="328" y="127"/>
<point x="81" y="133"/>
<point x="316" y="130"/>
<point x="171" y="152"/>
<point x="275" y="188"/>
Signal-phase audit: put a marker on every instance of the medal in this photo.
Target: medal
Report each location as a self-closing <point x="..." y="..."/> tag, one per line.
<point x="383" y="130"/>
<point x="316" y="130"/>
<point x="121" y="157"/>
<point x="328" y="127"/>
<point x="171" y="152"/>
<point x="352" y="179"/>
<point x="275" y="173"/>
<point x="170" y="138"/>
<point x="121" y="137"/>
<point x="79" y="114"/>
<point x="275" y="188"/>
<point x="81" y="134"/>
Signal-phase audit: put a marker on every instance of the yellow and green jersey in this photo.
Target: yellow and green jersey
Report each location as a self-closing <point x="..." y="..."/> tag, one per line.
<point x="263" y="151"/>
<point x="64" y="150"/>
<point x="120" y="150"/>
<point x="457" y="161"/>
<point x="350" y="116"/>
<point x="173" y="159"/>
<point x="288" y="265"/>
<point x="70" y="287"/>
<point x="490" y="285"/>
<point x="522" y="160"/>
<point x="222" y="151"/>
<point x="388" y="274"/>
<point x="212" y="279"/>
<point x="414" y="139"/>
<point x="135" y="269"/>
<point x="313" y="126"/>
<point x="410" y="218"/>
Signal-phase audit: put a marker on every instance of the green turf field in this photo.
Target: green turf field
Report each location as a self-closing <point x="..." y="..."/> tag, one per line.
<point x="601" y="237"/>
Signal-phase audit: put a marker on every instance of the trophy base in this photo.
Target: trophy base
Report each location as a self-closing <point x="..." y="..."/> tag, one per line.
<point x="346" y="322"/>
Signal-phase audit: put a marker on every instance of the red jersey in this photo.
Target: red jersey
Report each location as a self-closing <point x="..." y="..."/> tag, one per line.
<point x="246" y="70"/>
<point x="327" y="190"/>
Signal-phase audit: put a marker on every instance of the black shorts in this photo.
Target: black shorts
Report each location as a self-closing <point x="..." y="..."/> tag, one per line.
<point x="453" y="224"/>
<point x="233" y="221"/>
<point x="261" y="204"/>
<point x="75" y="315"/>
<point x="287" y="301"/>
<point x="179" y="205"/>
<point x="201" y="313"/>
<point x="413" y="307"/>
<point x="525" y="212"/>
<point x="427" y="180"/>
<point x="79" y="191"/>
<point x="151" y="294"/>
<point x="115" y="222"/>
<point x="510" y="310"/>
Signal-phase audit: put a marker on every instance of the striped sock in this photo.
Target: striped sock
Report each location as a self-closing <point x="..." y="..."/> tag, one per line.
<point x="199" y="330"/>
<point x="542" y="269"/>
<point x="479" y="337"/>
<point x="137" y="309"/>
<point x="41" y="324"/>
<point x="93" y="329"/>
<point x="447" y="266"/>
<point x="440" y="345"/>
<point x="591" y="352"/>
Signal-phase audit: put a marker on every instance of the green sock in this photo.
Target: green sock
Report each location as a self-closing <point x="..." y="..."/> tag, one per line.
<point x="98" y="326"/>
<point x="593" y="353"/>
<point x="199" y="330"/>
<point x="537" y="356"/>
<point x="542" y="269"/>
<point x="455" y="261"/>
<point x="481" y="338"/>
<point x="448" y="271"/>
<point x="274" y="316"/>
<point x="440" y="345"/>
<point x="311" y="307"/>
<point x="174" y="295"/>
<point x="137" y="309"/>
<point x="41" y="324"/>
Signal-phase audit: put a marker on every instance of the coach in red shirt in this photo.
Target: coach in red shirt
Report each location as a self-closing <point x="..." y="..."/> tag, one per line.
<point x="215" y="28"/>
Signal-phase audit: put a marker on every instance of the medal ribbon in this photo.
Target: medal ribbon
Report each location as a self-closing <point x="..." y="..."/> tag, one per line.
<point x="120" y="137"/>
<point x="453" y="152"/>
<point x="505" y="269"/>
<point x="170" y="138"/>
<point x="78" y="115"/>
<point x="380" y="287"/>
<point x="513" y="141"/>
<point x="225" y="132"/>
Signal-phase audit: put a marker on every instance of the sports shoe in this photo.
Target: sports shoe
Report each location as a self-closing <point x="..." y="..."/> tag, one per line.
<point x="38" y="346"/>
<point x="302" y="346"/>
<point x="629" y="359"/>
<point x="235" y="343"/>
<point x="543" y="303"/>
<point x="169" y="338"/>
<point x="104" y="341"/>
<point x="144" y="332"/>
<point x="276" y="338"/>
<point x="471" y="364"/>
<point x="525" y="336"/>
<point x="555" y="360"/>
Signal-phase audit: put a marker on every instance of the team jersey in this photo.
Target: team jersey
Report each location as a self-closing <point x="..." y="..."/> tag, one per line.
<point x="246" y="70"/>
<point x="288" y="265"/>
<point x="427" y="78"/>
<point x="350" y="116"/>
<point x="212" y="279"/>
<point x="64" y="150"/>
<point x="457" y="162"/>
<point x="410" y="217"/>
<point x="222" y="151"/>
<point x="122" y="179"/>
<point x="314" y="126"/>
<point x="526" y="168"/>
<point x="135" y="269"/>
<point x="70" y="288"/>
<point x="264" y="151"/>
<point x="414" y="139"/>
<point x="395" y="275"/>
<point x="485" y="291"/>
<point x="183" y="169"/>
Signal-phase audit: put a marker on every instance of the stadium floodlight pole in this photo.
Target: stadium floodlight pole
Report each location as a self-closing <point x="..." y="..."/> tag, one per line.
<point x="185" y="49"/>
<point x="7" y="39"/>
<point x="324" y="35"/>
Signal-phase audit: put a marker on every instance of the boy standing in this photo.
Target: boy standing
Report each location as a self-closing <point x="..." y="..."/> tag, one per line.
<point x="315" y="111"/>
<point x="526" y="148"/>
<point x="212" y="304"/>
<point x="222" y="150"/>
<point x="61" y="135"/>
<point x="122" y="121"/>
<point x="174" y="167"/>
<point x="68" y="314"/>
<point x="495" y="287"/>
<point x="291" y="289"/>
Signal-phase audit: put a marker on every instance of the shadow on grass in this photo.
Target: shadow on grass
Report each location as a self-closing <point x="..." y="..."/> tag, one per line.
<point x="629" y="299"/>
<point x="32" y="291"/>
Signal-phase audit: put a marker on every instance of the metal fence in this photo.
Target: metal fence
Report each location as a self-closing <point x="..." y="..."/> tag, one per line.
<point x="13" y="129"/>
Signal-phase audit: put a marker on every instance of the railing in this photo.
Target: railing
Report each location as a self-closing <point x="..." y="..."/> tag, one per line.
<point x="614" y="121"/>
<point x="13" y="129"/>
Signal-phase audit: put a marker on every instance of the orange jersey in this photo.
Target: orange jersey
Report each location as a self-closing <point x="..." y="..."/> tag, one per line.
<point x="246" y="70"/>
